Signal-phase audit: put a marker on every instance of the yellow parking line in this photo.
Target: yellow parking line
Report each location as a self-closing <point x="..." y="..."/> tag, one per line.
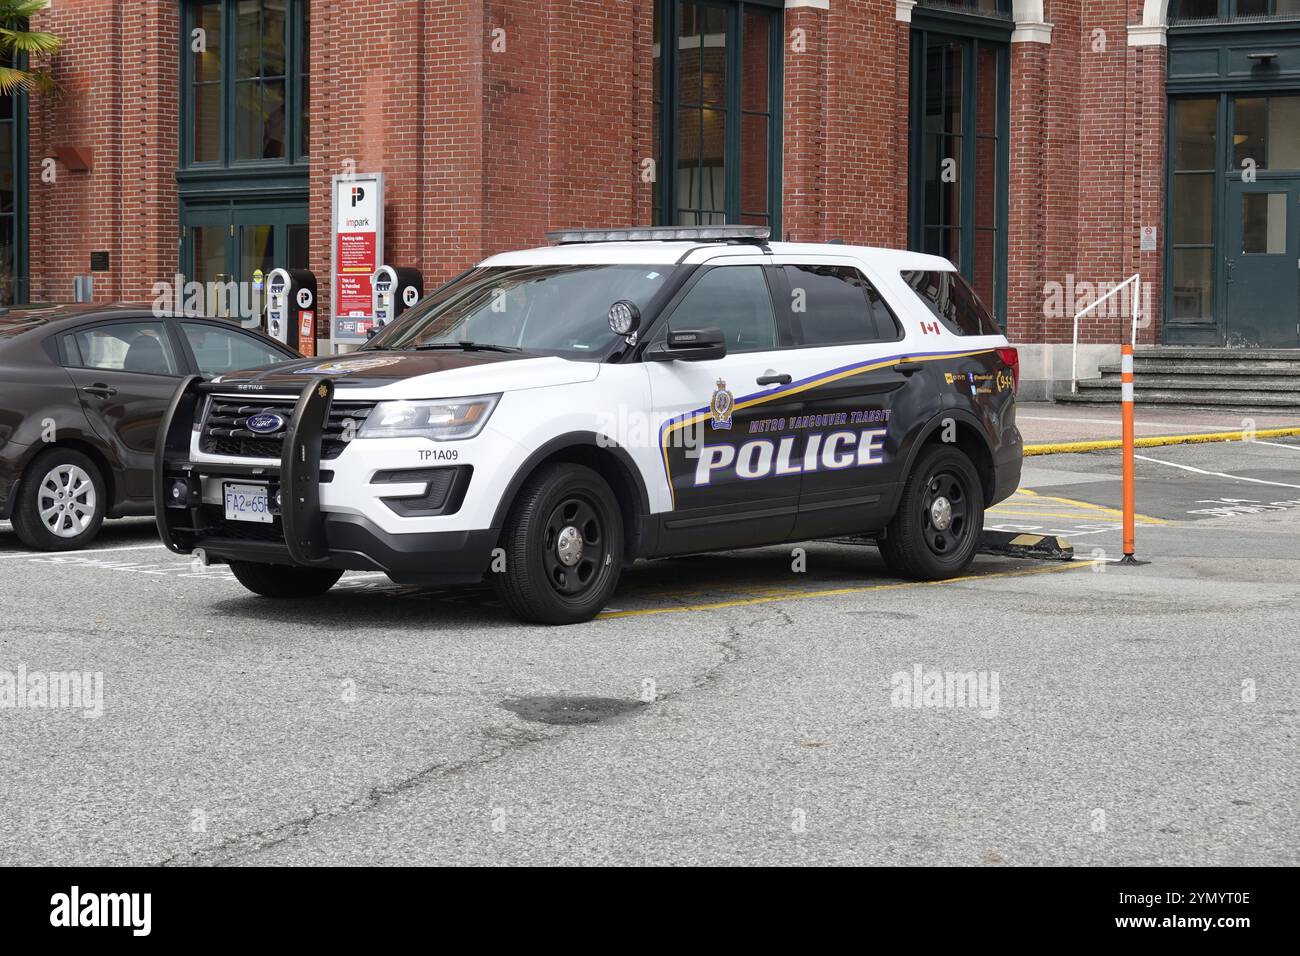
<point x="1155" y="441"/>
<point x="1088" y="505"/>
<point x="795" y="595"/>
<point x="1060" y="514"/>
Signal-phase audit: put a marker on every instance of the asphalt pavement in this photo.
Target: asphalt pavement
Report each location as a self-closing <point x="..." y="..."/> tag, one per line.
<point x="774" y="706"/>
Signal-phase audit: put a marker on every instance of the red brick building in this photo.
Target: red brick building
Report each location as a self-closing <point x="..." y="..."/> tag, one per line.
<point x="1029" y="141"/>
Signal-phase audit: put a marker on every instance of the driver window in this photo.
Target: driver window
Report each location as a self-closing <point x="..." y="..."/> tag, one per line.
<point x="734" y="299"/>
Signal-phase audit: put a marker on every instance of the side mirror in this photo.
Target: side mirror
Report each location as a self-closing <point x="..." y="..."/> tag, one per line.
<point x="693" y="345"/>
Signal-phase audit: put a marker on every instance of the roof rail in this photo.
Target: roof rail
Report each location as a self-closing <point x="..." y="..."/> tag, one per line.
<point x="752" y="234"/>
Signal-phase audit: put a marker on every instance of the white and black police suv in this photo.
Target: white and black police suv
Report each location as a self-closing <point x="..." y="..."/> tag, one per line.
<point x="552" y="415"/>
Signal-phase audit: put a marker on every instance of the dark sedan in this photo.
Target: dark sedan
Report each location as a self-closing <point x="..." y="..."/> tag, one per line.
<point x="82" y="388"/>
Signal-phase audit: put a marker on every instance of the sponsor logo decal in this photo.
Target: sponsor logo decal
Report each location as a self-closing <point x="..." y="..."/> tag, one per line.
<point x="721" y="406"/>
<point x="265" y="423"/>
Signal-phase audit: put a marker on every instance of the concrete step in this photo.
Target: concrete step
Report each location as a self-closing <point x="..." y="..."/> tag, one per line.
<point x="1216" y="371"/>
<point x="1180" y="353"/>
<point x="1217" y="383"/>
<point x="1243" y="401"/>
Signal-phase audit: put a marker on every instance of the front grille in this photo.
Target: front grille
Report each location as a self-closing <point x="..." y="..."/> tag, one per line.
<point x="219" y="527"/>
<point x="224" y="431"/>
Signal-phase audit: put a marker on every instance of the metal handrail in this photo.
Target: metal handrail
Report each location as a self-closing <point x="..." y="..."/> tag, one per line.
<point x="1136" y="280"/>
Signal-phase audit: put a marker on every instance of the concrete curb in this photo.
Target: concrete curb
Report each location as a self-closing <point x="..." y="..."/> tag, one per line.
<point x="1074" y="447"/>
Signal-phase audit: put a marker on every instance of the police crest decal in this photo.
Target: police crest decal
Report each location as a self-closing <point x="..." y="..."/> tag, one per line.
<point x="721" y="405"/>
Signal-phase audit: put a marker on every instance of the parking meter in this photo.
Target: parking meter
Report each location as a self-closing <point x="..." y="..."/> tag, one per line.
<point x="394" y="290"/>
<point x="291" y="308"/>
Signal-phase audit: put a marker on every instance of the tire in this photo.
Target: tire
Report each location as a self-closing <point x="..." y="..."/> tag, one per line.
<point x="563" y="543"/>
<point x="284" y="581"/>
<point x="927" y="541"/>
<point x="61" y="502"/>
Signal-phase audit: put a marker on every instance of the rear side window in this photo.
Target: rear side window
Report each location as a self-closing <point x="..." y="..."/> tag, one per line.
<point x="838" y="305"/>
<point x="953" y="302"/>
<point x="126" y="347"/>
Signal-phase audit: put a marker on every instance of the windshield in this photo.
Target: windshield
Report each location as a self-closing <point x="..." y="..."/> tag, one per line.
<point x="548" y="309"/>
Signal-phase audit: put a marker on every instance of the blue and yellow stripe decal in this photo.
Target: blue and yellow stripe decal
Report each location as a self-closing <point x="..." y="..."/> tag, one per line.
<point x="687" y="419"/>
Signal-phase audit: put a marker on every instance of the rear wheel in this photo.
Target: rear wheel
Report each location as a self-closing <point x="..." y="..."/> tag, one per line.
<point x="563" y="542"/>
<point x="940" y="517"/>
<point x="61" y="501"/>
<point x="284" y="581"/>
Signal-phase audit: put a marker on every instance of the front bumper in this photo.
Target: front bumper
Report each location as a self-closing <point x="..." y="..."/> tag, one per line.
<point x="301" y="533"/>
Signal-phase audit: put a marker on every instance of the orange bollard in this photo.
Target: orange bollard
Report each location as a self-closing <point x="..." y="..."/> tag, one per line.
<point x="1130" y="510"/>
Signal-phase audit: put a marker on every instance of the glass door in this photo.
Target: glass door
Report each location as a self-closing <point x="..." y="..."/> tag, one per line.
<point x="231" y="249"/>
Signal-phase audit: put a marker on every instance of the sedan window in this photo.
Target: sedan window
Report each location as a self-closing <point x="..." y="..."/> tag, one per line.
<point x="127" y="347"/>
<point x="220" y="350"/>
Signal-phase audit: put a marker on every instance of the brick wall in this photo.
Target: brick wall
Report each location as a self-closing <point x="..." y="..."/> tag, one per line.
<point x="496" y="120"/>
<point x="119" y="76"/>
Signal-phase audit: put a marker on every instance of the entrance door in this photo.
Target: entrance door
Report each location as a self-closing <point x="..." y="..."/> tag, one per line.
<point x="1262" y="264"/>
<point x="242" y="244"/>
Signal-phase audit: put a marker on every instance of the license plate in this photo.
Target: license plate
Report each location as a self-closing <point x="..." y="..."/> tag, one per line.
<point x="246" y="503"/>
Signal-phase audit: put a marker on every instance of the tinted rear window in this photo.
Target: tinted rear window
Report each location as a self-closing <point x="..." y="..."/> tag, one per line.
<point x="837" y="305"/>
<point x="954" y="303"/>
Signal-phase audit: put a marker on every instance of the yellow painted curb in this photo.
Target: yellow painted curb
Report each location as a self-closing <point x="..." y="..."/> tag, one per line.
<point x="1073" y="447"/>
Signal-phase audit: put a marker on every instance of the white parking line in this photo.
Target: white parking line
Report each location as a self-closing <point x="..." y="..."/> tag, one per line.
<point x="1275" y="444"/>
<point x="1214" y="474"/>
<point x="46" y="554"/>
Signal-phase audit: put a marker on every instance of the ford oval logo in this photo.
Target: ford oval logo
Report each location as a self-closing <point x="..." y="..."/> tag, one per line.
<point x="265" y="423"/>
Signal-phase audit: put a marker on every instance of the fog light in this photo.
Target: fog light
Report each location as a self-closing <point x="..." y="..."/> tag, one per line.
<point x="178" y="493"/>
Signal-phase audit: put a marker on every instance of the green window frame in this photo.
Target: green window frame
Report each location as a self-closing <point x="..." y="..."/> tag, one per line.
<point x="1194" y="11"/>
<point x="956" y="126"/>
<point x="251" y="80"/>
<point x="14" y="280"/>
<point x="718" y="159"/>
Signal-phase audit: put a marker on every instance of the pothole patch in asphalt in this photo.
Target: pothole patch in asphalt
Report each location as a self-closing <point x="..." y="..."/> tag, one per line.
<point x="567" y="711"/>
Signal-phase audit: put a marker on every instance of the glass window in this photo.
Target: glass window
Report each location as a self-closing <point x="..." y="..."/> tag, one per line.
<point x="1190" y="10"/>
<point x="953" y="302"/>
<point x="1266" y="132"/>
<point x="128" y="347"/>
<point x="247" y="72"/>
<point x="714" y="72"/>
<point x="1194" y="125"/>
<point x="553" y="309"/>
<point x="960" y="161"/>
<point x="735" y="300"/>
<point x="837" y="305"/>
<point x="1263" y="224"/>
<point x="219" y="350"/>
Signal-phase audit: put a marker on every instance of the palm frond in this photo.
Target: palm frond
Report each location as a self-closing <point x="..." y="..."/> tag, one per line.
<point x="14" y="11"/>
<point x="30" y="42"/>
<point x="27" y="81"/>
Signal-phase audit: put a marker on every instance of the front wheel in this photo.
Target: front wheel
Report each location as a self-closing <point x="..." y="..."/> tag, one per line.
<point x="284" y="581"/>
<point x="563" y="543"/>
<point x="940" y="517"/>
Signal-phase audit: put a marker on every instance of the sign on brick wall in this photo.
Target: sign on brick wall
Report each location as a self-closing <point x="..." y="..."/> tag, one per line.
<point x="357" y="248"/>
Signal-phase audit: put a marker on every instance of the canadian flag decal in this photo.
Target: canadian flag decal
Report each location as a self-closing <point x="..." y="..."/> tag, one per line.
<point x="929" y="328"/>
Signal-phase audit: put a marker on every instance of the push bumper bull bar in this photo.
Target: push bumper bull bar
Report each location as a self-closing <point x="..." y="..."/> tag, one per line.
<point x="182" y="528"/>
<point x="308" y="536"/>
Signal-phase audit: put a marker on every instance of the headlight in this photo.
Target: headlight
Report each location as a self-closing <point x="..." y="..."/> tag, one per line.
<point x="440" y="420"/>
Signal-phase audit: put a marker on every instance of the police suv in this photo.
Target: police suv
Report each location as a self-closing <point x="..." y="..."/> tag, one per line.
<point x="552" y="415"/>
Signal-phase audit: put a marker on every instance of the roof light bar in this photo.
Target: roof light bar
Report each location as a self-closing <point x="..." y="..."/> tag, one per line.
<point x="663" y="234"/>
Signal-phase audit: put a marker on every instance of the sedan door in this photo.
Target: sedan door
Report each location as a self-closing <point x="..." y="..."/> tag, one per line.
<point x="125" y="372"/>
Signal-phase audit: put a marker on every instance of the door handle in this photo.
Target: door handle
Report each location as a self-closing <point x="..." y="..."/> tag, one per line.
<point x="1230" y="264"/>
<point x="100" y="391"/>
<point x="907" y="368"/>
<point x="775" y="379"/>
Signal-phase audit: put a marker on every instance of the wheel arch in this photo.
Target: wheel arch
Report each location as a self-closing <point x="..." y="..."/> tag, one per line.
<point x="91" y="451"/>
<point x="609" y="460"/>
<point x="971" y="438"/>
